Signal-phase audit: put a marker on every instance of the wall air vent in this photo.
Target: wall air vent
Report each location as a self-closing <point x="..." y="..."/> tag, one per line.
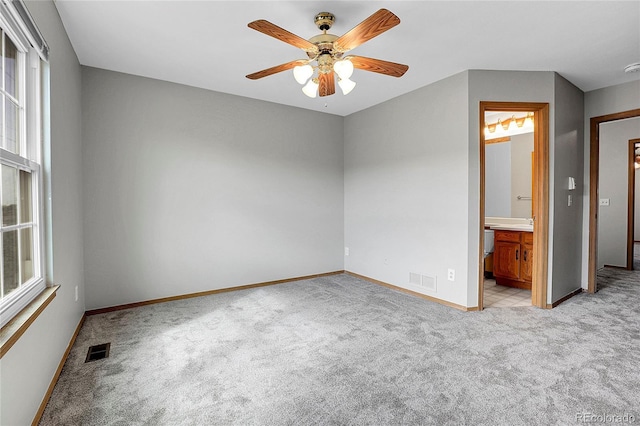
<point x="414" y="278"/>
<point x="429" y="282"/>
<point x="424" y="281"/>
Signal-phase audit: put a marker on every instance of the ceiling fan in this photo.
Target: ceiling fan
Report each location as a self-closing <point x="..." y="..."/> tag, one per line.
<point x="327" y="52"/>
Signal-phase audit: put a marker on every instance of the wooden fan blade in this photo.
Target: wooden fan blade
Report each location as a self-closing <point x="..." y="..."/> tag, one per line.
<point x="276" y="69"/>
<point x="378" y="65"/>
<point x="371" y="27"/>
<point x="327" y="84"/>
<point x="281" y="34"/>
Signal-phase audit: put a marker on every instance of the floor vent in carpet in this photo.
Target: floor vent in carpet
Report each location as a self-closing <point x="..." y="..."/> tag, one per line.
<point x="98" y="352"/>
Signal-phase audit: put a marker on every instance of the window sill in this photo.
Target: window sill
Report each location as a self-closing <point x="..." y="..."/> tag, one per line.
<point x="11" y="332"/>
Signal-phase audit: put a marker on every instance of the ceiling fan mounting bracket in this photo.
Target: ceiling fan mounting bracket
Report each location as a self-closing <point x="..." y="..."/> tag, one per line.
<point x="324" y="20"/>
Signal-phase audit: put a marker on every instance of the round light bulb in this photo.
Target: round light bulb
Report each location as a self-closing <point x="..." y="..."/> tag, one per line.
<point x="311" y="89"/>
<point x="343" y="68"/>
<point x="302" y="73"/>
<point x="346" y="85"/>
<point x="528" y="122"/>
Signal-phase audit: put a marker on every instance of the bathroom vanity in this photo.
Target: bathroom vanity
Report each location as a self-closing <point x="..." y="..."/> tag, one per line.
<point x="513" y="256"/>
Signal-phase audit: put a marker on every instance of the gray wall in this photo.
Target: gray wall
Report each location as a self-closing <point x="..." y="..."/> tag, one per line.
<point x="613" y="184"/>
<point x="511" y="86"/>
<point x="189" y="190"/>
<point x="497" y="201"/>
<point x="566" y="161"/>
<point x="412" y="181"/>
<point x="406" y="190"/>
<point x="29" y="366"/>
<point x="609" y="100"/>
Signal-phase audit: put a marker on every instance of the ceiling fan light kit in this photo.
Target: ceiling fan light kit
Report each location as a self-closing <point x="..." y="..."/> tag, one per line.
<point x="311" y="88"/>
<point x="343" y="68"/>
<point x="346" y="85"/>
<point x="302" y="73"/>
<point x="325" y="53"/>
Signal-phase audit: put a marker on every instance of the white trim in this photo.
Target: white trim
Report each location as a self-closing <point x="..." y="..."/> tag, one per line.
<point x="31" y="70"/>
<point x="19" y="98"/>
<point x="18" y="16"/>
<point x="17" y="227"/>
<point x="15" y="302"/>
<point x="15" y="160"/>
<point x="34" y="118"/>
<point x="9" y="25"/>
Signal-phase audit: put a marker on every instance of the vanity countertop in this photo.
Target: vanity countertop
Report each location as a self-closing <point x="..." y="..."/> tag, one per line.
<point x="509" y="224"/>
<point x="512" y="227"/>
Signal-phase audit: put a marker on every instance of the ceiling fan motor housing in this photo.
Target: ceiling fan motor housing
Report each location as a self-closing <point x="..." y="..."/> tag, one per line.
<point x="324" y="43"/>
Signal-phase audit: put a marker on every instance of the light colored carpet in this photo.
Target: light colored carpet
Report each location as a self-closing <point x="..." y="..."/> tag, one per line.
<point x="339" y="350"/>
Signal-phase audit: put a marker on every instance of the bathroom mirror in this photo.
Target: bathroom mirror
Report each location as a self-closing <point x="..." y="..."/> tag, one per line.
<point x="509" y="157"/>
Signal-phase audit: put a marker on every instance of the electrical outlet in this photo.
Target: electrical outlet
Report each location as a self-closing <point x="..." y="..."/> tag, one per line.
<point x="451" y="274"/>
<point x="76" y="293"/>
<point x="346" y="251"/>
<point x="604" y="201"/>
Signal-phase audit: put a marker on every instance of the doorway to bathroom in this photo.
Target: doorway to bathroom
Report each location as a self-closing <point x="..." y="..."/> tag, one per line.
<point x="514" y="201"/>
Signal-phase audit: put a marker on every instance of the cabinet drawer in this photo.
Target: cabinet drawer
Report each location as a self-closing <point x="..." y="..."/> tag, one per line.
<point x="507" y="236"/>
<point x="527" y="237"/>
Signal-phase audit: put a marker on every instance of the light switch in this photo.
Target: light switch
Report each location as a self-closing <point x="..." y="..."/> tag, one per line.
<point x="604" y="201"/>
<point x="569" y="201"/>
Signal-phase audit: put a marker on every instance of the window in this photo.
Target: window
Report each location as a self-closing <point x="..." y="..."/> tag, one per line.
<point x="21" y="180"/>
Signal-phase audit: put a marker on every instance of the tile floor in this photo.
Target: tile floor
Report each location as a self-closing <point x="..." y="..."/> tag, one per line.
<point x="499" y="296"/>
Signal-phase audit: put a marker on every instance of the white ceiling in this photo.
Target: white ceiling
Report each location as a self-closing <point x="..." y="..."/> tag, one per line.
<point x="208" y="44"/>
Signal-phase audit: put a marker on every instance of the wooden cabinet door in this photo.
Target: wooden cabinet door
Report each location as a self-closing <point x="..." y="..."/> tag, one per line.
<point x="527" y="262"/>
<point x="506" y="260"/>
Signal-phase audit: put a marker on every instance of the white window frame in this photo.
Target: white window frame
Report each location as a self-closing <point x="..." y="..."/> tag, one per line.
<point x="31" y="68"/>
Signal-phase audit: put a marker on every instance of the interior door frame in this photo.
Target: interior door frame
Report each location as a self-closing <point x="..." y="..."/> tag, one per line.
<point x="594" y="166"/>
<point x="631" y="199"/>
<point x="541" y="207"/>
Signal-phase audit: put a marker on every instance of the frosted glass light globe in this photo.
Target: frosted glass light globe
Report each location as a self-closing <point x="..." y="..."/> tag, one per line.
<point x="346" y="85"/>
<point x="343" y="68"/>
<point x="311" y="89"/>
<point x="302" y="73"/>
